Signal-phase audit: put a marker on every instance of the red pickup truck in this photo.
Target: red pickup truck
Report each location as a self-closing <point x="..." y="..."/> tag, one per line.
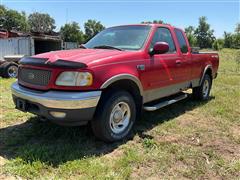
<point x="112" y="77"/>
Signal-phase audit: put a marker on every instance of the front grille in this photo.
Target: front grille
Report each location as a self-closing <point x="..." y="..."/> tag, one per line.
<point x="34" y="76"/>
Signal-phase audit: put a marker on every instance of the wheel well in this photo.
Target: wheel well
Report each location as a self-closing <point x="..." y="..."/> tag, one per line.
<point x="127" y="85"/>
<point x="209" y="72"/>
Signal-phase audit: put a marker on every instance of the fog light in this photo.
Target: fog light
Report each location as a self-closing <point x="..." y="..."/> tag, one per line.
<point x="58" y="114"/>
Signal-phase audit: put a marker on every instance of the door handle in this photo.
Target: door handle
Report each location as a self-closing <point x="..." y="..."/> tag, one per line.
<point x="178" y="62"/>
<point x="141" y="67"/>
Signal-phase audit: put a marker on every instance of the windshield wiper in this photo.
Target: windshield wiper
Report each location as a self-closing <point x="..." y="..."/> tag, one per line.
<point x="107" y="47"/>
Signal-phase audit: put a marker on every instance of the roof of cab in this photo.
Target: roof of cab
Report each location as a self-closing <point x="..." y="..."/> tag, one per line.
<point x="153" y="25"/>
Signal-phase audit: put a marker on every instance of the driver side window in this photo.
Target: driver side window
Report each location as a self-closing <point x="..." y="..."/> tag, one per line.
<point x="164" y="35"/>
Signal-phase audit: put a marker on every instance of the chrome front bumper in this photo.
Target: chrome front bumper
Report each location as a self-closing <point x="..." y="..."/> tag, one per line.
<point x="57" y="99"/>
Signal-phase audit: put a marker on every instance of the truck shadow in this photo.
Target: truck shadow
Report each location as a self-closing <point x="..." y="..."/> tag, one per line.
<point x="54" y="145"/>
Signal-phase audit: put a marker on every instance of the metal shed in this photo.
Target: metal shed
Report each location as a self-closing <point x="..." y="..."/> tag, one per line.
<point x="28" y="46"/>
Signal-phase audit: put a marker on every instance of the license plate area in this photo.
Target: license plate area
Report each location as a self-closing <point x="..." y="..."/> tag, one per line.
<point x="21" y="104"/>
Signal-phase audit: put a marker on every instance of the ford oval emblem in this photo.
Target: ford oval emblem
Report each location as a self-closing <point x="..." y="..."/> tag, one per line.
<point x="30" y="76"/>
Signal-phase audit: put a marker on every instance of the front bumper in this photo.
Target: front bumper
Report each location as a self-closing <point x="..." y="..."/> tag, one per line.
<point x="75" y="108"/>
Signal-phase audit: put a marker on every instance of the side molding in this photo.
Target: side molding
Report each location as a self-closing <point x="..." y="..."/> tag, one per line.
<point x="123" y="77"/>
<point x="204" y="72"/>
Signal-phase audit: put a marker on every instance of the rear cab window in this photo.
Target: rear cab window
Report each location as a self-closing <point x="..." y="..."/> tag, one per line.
<point x="181" y="41"/>
<point x="163" y="34"/>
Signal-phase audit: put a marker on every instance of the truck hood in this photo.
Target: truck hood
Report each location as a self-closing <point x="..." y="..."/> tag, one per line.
<point x="90" y="57"/>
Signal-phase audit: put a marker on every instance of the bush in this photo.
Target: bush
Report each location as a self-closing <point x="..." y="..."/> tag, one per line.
<point x="218" y="44"/>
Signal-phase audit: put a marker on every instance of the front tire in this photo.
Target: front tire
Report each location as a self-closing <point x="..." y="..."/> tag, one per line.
<point x="41" y="119"/>
<point x="202" y="92"/>
<point x="114" y="117"/>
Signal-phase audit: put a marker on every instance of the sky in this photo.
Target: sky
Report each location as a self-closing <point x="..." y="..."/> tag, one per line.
<point x="222" y="15"/>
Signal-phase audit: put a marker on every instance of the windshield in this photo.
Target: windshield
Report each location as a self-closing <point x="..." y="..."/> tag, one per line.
<point x="122" y="37"/>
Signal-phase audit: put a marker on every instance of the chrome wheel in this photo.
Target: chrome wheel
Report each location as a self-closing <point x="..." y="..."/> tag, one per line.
<point x="12" y="71"/>
<point x="120" y="117"/>
<point x="206" y="87"/>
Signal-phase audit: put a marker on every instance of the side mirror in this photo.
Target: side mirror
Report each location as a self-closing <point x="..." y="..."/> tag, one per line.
<point x="160" y="48"/>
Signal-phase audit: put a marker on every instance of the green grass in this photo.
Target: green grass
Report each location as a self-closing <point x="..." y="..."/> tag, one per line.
<point x="190" y="139"/>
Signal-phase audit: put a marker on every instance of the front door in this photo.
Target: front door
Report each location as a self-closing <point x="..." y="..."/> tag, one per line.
<point x="162" y="69"/>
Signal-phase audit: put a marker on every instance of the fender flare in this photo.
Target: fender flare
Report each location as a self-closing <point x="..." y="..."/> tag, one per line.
<point x="204" y="72"/>
<point x="123" y="77"/>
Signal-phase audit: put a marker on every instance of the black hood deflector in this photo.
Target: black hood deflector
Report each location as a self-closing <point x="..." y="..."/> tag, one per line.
<point x="59" y="63"/>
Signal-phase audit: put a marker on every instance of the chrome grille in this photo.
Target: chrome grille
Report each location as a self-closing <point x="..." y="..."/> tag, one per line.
<point x="34" y="76"/>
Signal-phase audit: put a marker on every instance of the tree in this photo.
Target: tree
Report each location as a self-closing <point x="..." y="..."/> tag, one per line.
<point x="237" y="30"/>
<point x="13" y="20"/>
<point x="40" y="22"/>
<point x="153" y="22"/>
<point x="2" y="10"/>
<point x="190" y="35"/>
<point x="71" y="32"/>
<point x="2" y="15"/>
<point x="236" y="37"/>
<point x="204" y="34"/>
<point x="218" y="44"/>
<point x="92" y="27"/>
<point x="228" y="40"/>
<point x="236" y="41"/>
<point x="232" y="40"/>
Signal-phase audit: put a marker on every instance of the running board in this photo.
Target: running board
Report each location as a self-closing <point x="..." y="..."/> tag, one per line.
<point x="165" y="103"/>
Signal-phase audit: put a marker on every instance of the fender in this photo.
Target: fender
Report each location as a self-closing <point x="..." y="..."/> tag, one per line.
<point x="123" y="77"/>
<point x="204" y="72"/>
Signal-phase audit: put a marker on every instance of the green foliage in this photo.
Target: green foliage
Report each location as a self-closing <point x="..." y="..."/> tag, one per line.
<point x="227" y="40"/>
<point x="204" y="34"/>
<point x="2" y="10"/>
<point x="190" y="35"/>
<point x="40" y="22"/>
<point x="232" y="40"/>
<point x="71" y="32"/>
<point x="2" y="15"/>
<point x="203" y="37"/>
<point x="13" y="20"/>
<point x="92" y="27"/>
<point x="236" y="41"/>
<point x="237" y="30"/>
<point x="149" y="143"/>
<point x="218" y="44"/>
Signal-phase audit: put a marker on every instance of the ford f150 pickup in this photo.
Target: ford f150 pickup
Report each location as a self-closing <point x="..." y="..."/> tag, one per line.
<point x="111" y="78"/>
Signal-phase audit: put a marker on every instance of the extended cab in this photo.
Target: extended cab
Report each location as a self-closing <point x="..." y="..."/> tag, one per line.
<point x="112" y="77"/>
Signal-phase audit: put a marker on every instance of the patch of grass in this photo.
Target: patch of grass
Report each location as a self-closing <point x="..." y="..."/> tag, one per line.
<point x="26" y="169"/>
<point x="149" y="143"/>
<point x="189" y="139"/>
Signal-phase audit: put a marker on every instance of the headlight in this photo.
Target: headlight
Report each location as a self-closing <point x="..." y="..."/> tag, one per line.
<point x="73" y="78"/>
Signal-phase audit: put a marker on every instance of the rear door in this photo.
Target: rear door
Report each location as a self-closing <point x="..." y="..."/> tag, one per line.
<point x="184" y="63"/>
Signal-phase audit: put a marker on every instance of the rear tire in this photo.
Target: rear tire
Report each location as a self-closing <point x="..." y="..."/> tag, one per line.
<point x="114" y="117"/>
<point x="202" y="92"/>
<point x="10" y="70"/>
